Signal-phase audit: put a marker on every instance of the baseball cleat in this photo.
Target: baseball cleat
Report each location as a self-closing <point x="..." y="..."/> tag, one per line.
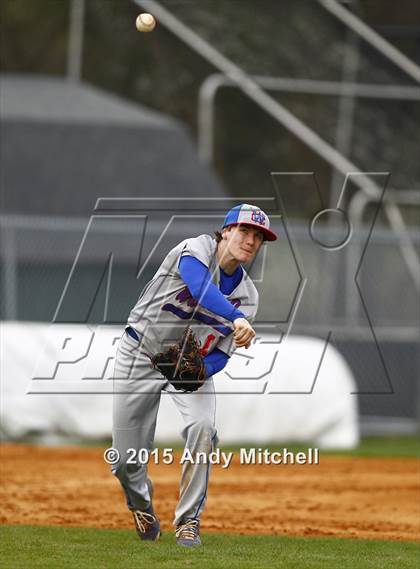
<point x="188" y="532"/>
<point x="147" y="524"/>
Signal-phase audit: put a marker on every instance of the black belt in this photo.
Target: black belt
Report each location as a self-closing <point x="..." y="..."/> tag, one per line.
<point x="131" y="332"/>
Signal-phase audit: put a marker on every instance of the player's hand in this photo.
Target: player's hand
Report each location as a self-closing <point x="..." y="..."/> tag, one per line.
<point x="243" y="333"/>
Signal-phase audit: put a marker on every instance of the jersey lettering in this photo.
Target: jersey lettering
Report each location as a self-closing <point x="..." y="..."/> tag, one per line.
<point x="207" y="344"/>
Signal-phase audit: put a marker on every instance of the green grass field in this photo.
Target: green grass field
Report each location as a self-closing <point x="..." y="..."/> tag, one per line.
<point x="27" y="547"/>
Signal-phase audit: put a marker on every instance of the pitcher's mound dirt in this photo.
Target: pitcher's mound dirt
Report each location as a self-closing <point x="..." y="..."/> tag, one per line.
<point x="342" y="496"/>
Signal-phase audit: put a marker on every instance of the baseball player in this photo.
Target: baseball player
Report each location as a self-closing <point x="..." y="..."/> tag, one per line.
<point x="201" y="293"/>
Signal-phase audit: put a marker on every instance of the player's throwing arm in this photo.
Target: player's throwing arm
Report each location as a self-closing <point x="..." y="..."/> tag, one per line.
<point x="243" y="333"/>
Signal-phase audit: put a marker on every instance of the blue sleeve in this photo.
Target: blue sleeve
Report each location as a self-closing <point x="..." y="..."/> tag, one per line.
<point x="215" y="362"/>
<point x="197" y="277"/>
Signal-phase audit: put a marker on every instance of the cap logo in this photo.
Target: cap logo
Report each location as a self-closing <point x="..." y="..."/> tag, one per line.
<point x="257" y="216"/>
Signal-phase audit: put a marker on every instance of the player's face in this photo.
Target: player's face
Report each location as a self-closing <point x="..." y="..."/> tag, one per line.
<point x="243" y="242"/>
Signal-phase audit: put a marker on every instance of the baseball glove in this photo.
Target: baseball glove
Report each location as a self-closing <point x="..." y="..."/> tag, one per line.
<point x="182" y="364"/>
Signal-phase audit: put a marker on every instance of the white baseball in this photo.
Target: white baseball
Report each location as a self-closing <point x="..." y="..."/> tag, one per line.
<point x="145" y="23"/>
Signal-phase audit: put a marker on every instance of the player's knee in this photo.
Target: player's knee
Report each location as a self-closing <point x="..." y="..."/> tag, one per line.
<point x="202" y="428"/>
<point x="205" y="425"/>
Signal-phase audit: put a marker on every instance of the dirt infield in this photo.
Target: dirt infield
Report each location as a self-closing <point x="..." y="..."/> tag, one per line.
<point x="342" y="496"/>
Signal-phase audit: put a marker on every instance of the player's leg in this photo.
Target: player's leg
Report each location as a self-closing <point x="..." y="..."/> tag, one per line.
<point x="135" y="406"/>
<point x="198" y="410"/>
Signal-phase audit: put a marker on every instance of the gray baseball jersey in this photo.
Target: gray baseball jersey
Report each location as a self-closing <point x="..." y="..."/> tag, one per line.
<point x="166" y="307"/>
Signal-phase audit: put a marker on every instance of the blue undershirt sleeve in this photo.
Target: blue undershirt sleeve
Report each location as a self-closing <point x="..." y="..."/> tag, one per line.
<point x="197" y="277"/>
<point x="215" y="362"/>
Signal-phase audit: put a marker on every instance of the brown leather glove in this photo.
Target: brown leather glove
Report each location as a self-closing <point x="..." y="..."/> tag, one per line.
<point x="182" y="363"/>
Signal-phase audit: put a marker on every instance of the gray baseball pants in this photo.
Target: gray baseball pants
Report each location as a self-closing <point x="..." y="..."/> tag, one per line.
<point x="137" y="392"/>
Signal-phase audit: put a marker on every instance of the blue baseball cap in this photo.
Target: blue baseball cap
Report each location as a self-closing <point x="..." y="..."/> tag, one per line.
<point x="252" y="215"/>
